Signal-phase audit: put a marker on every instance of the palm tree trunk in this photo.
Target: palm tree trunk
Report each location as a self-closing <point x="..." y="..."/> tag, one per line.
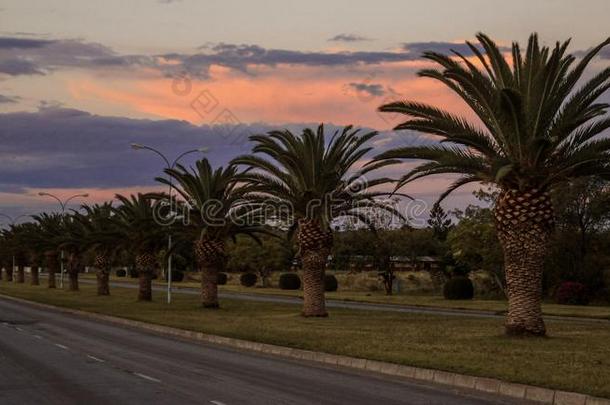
<point x="102" y="263"/>
<point x="210" y="257"/>
<point x="314" y="265"/>
<point x="209" y="287"/>
<point x="34" y="279"/>
<point x="145" y="265"/>
<point x="52" y="267"/>
<point x="524" y="221"/>
<point x="20" y="273"/>
<point x="103" y="286"/>
<point x="74" y="266"/>
<point x="145" y="286"/>
<point x="315" y="244"/>
<point x="73" y="276"/>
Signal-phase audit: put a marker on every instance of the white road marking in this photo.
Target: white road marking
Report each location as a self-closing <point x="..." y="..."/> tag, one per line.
<point x="96" y="359"/>
<point x="147" y="377"/>
<point x="18" y="328"/>
<point x="61" y="346"/>
<point x="37" y="336"/>
<point x="217" y="403"/>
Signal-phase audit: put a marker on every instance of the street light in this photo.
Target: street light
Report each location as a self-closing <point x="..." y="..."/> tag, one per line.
<point x="63" y="204"/>
<point x="137" y="146"/>
<point x="12" y="221"/>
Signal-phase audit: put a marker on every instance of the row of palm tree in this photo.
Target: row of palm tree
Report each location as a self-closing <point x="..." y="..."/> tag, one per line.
<point x="534" y="129"/>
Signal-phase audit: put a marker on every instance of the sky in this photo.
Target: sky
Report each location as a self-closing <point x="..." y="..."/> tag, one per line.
<point x="81" y="80"/>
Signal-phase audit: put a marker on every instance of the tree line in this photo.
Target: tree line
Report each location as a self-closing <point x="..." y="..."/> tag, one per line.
<point x="539" y="127"/>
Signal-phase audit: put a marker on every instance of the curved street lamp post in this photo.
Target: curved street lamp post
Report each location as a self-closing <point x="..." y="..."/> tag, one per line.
<point x="63" y="204"/>
<point x="137" y="146"/>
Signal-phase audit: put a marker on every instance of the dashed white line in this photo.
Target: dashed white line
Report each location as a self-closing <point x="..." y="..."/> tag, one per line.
<point x="96" y="359"/>
<point x="18" y="328"/>
<point x="37" y="336"/>
<point x="147" y="377"/>
<point x="61" y="346"/>
<point x="217" y="403"/>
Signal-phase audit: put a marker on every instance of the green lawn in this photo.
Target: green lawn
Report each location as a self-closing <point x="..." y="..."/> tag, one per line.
<point x="435" y="301"/>
<point x="576" y="357"/>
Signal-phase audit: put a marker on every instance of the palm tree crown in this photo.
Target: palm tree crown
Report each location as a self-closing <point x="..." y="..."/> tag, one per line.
<point x="536" y="128"/>
<point x="214" y="201"/>
<point x="314" y="177"/>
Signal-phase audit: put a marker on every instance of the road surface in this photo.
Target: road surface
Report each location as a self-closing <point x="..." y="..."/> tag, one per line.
<point x="330" y="303"/>
<point x="49" y="357"/>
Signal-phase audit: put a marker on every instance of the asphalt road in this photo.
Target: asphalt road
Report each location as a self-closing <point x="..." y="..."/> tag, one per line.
<point x="49" y="357"/>
<point x="354" y="305"/>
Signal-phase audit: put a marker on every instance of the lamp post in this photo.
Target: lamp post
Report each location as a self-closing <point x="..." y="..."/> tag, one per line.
<point x="12" y="221"/>
<point x="137" y="146"/>
<point x="63" y="204"/>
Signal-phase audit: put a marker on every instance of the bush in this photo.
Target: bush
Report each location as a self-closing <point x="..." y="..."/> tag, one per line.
<point x="458" y="288"/>
<point x="330" y="283"/>
<point x="133" y="273"/>
<point x="121" y="273"/>
<point x="572" y="293"/>
<point x="221" y="279"/>
<point x="248" y="279"/>
<point x="290" y="281"/>
<point x="177" y="275"/>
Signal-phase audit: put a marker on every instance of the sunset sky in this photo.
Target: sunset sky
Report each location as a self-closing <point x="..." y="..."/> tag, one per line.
<point x="80" y="80"/>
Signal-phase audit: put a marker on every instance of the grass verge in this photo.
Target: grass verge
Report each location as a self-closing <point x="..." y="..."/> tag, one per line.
<point x="576" y="357"/>
<point x="430" y="301"/>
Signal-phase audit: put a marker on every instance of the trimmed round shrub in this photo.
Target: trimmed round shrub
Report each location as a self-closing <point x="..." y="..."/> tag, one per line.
<point x="290" y="281"/>
<point x="330" y="283"/>
<point x="177" y="275"/>
<point x="458" y="288"/>
<point x="221" y="279"/>
<point x="572" y="293"/>
<point x="121" y="273"/>
<point x="248" y="279"/>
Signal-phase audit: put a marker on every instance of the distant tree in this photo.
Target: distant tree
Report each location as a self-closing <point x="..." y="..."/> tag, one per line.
<point x="474" y="243"/>
<point x="439" y="222"/>
<point x="583" y="215"/>
<point x="273" y="254"/>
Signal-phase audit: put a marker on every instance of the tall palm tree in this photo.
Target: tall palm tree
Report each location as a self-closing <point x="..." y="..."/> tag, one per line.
<point x="536" y="129"/>
<point x="101" y="239"/>
<point x="6" y="255"/>
<point x="17" y="234"/>
<point x="72" y="240"/>
<point x="136" y="222"/>
<point x="33" y="253"/>
<point x="217" y="211"/>
<point x="46" y="241"/>
<point x="315" y="178"/>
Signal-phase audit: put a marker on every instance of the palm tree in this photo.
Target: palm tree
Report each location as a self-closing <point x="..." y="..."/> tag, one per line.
<point x="16" y="235"/>
<point x="217" y="212"/>
<point x="33" y="254"/>
<point x="136" y="223"/>
<point x="46" y="241"/>
<point x="101" y="239"/>
<point x="72" y="240"/>
<point x="6" y="255"/>
<point x="536" y="130"/>
<point x="317" y="182"/>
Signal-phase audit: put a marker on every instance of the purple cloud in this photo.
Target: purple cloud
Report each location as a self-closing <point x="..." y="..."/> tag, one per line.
<point x="348" y="38"/>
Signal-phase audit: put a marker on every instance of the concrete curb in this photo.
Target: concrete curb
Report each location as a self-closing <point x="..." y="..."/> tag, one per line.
<point x="487" y="385"/>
